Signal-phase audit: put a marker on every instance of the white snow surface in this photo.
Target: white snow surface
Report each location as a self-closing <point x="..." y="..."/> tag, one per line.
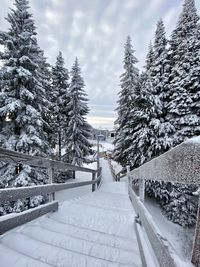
<point x="195" y="139"/>
<point x="116" y="166"/>
<point x="68" y="194"/>
<point x="94" y="229"/>
<point x="179" y="238"/>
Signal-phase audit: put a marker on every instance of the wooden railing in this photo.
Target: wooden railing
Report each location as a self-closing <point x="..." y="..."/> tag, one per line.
<point x="121" y="175"/>
<point x="179" y="165"/>
<point x="13" y="220"/>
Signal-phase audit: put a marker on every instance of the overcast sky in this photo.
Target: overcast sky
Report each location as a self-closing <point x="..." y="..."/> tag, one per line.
<point x="95" y="32"/>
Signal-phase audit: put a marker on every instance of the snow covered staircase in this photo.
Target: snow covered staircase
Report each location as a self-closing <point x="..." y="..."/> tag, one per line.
<point x="94" y="230"/>
<point x="98" y="229"/>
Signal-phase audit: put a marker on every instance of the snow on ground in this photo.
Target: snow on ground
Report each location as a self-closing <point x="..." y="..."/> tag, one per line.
<point x="106" y="172"/>
<point x="103" y="146"/>
<point x="68" y="194"/>
<point x="116" y="166"/>
<point x="180" y="239"/>
<point x="195" y="139"/>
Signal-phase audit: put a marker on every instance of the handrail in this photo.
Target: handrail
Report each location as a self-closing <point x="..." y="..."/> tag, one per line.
<point x="8" y="222"/>
<point x="121" y="175"/>
<point x="180" y="165"/>
<point x="13" y="194"/>
<point x="10" y="156"/>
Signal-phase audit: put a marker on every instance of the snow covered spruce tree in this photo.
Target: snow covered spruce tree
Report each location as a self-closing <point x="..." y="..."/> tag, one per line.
<point x="150" y="131"/>
<point x="129" y="83"/>
<point x="183" y="108"/>
<point x="21" y="92"/>
<point x="60" y="100"/>
<point x="153" y="136"/>
<point x="78" y="131"/>
<point x="138" y="127"/>
<point x="158" y="74"/>
<point x="44" y="77"/>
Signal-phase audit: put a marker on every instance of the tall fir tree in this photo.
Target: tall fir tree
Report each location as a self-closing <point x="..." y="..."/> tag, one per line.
<point x="60" y="100"/>
<point x="176" y="200"/>
<point x="139" y="134"/>
<point x="21" y="93"/>
<point x="45" y="76"/>
<point x="158" y="77"/>
<point x="129" y="84"/>
<point x="154" y="90"/>
<point x="78" y="131"/>
<point x="183" y="107"/>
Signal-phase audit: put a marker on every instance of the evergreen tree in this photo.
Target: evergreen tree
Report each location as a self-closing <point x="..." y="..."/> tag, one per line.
<point x="78" y="131"/>
<point x="183" y="108"/>
<point x="129" y="83"/>
<point x="21" y="92"/>
<point x="60" y="99"/>
<point x="139" y="135"/>
<point x="158" y="77"/>
<point x="154" y="91"/>
<point x="149" y="129"/>
<point x="44" y="96"/>
<point x="176" y="200"/>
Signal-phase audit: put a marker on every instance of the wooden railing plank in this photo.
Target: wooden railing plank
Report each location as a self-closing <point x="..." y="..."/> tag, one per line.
<point x="8" y="222"/>
<point x="196" y="244"/>
<point x="180" y="164"/>
<point x="9" y="156"/>
<point x="13" y="220"/>
<point x="12" y="194"/>
<point x="159" y="244"/>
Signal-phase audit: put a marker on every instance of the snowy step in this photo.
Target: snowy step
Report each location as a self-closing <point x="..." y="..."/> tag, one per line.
<point x="97" y="223"/>
<point x="101" y="205"/>
<point x="52" y="254"/>
<point x="87" y="234"/>
<point x="79" y="245"/>
<point x="113" y="201"/>
<point x="10" y="257"/>
<point x="98" y="212"/>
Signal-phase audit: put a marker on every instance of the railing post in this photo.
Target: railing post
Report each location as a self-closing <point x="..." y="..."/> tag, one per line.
<point x="50" y="173"/>
<point x="141" y="183"/>
<point x="196" y="245"/>
<point x="128" y="174"/>
<point x="98" y="163"/>
<point x="93" y="178"/>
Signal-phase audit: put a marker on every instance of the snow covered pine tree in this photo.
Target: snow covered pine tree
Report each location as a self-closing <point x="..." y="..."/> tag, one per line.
<point x="60" y="100"/>
<point x="20" y="110"/>
<point x="129" y="83"/>
<point x="183" y="108"/>
<point x="152" y="137"/>
<point x="78" y="131"/>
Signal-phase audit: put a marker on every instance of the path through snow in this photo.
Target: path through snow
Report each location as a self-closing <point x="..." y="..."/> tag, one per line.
<point x="106" y="172"/>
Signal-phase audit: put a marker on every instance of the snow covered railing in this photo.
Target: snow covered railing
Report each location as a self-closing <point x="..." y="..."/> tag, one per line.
<point x="13" y="220"/>
<point x="180" y="165"/>
<point x="21" y="158"/>
<point x="121" y="175"/>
